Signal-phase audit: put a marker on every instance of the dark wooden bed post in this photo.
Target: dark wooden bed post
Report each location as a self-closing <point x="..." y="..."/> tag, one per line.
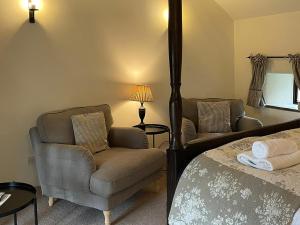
<point x="175" y="107"/>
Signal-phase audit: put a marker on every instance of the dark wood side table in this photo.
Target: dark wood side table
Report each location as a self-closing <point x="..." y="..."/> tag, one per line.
<point x="22" y="195"/>
<point x="154" y="129"/>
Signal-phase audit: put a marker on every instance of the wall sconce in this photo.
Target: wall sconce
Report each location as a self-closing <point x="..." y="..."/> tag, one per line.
<point x="33" y="5"/>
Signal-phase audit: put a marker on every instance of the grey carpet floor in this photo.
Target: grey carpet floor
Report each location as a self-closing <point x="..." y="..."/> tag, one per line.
<point x="144" y="208"/>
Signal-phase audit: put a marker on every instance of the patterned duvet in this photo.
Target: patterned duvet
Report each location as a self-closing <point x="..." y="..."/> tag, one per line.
<point x="217" y="190"/>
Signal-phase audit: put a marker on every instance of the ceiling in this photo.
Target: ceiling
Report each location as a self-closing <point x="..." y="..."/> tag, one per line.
<point x="241" y="9"/>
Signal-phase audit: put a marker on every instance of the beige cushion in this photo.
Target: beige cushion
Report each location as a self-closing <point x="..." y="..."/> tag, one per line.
<point x="90" y="131"/>
<point x="190" y="111"/>
<point x="214" y="117"/>
<point x="120" y="168"/>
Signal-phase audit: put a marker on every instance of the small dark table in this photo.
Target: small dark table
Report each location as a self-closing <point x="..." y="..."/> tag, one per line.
<point x="22" y="195"/>
<point x="154" y="129"/>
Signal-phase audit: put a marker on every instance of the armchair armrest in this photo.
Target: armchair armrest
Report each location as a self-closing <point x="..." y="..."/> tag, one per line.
<point x="128" y="137"/>
<point x="248" y="123"/>
<point x="188" y="131"/>
<point x="68" y="167"/>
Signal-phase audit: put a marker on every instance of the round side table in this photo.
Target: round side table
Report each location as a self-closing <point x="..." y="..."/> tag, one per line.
<point x="22" y="195"/>
<point x="154" y="129"/>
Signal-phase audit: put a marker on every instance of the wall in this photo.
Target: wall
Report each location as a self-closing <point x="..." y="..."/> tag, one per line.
<point x="90" y="52"/>
<point x="208" y="51"/>
<point x="270" y="35"/>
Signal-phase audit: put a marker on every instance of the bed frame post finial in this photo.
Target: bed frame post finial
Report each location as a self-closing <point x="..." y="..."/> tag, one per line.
<point x="175" y="106"/>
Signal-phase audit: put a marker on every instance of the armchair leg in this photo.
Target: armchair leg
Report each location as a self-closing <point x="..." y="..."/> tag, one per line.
<point x="51" y="201"/>
<point x="107" y="217"/>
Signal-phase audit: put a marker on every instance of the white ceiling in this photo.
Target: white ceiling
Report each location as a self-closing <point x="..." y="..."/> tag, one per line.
<point x="240" y="9"/>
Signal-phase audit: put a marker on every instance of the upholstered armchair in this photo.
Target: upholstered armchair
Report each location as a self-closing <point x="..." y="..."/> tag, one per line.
<point x="102" y="180"/>
<point x="238" y="120"/>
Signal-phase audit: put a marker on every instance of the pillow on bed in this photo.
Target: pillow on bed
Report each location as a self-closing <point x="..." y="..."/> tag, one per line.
<point x="214" y="117"/>
<point x="90" y="131"/>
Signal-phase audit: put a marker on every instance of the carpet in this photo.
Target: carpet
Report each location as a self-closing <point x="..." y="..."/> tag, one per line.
<point x="144" y="208"/>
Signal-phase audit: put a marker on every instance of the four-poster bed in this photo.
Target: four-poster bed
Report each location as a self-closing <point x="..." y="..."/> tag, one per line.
<point x="179" y="157"/>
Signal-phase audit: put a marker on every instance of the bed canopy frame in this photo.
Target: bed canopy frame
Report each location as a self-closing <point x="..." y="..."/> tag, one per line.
<point x="179" y="156"/>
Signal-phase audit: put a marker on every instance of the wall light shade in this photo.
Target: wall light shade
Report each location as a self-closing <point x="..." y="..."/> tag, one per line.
<point x="33" y="4"/>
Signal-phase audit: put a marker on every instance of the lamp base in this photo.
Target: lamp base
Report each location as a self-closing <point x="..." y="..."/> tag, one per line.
<point x="142" y="114"/>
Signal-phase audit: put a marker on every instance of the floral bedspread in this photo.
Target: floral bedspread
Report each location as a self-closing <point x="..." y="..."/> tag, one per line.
<point x="217" y="190"/>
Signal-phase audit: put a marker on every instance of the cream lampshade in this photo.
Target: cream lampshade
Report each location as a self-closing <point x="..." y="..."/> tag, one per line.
<point x="141" y="93"/>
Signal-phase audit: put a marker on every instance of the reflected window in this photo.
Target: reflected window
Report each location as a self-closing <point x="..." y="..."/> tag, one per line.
<point x="280" y="91"/>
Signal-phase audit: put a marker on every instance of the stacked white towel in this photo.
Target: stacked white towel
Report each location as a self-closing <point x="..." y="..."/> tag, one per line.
<point x="273" y="147"/>
<point x="271" y="155"/>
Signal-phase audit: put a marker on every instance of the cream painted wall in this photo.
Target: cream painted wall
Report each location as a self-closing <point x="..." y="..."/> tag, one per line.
<point x="270" y="35"/>
<point x="90" y="52"/>
<point x="208" y="51"/>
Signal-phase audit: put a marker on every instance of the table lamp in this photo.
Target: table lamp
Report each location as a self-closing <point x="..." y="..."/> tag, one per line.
<point x="142" y="94"/>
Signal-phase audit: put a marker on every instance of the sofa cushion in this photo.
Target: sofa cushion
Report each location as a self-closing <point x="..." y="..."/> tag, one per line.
<point x="120" y="168"/>
<point x="214" y="117"/>
<point x="190" y="110"/>
<point x="90" y="131"/>
<point x="56" y="126"/>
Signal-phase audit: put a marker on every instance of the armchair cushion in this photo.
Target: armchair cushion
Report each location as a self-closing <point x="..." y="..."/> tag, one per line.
<point x="214" y="117"/>
<point x="128" y="137"/>
<point x="120" y="168"/>
<point x="90" y="131"/>
<point x="56" y="126"/>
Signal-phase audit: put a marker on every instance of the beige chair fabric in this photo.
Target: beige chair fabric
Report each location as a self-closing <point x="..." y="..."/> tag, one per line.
<point x="90" y="131"/>
<point x="102" y="180"/>
<point x="213" y="117"/>
<point x="120" y="168"/>
<point x="188" y="131"/>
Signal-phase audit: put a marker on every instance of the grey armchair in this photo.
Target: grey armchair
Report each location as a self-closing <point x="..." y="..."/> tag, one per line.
<point x="238" y="120"/>
<point x="101" y="181"/>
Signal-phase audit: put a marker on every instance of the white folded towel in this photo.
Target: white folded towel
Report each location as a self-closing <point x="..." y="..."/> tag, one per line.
<point x="273" y="147"/>
<point x="296" y="219"/>
<point x="270" y="164"/>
